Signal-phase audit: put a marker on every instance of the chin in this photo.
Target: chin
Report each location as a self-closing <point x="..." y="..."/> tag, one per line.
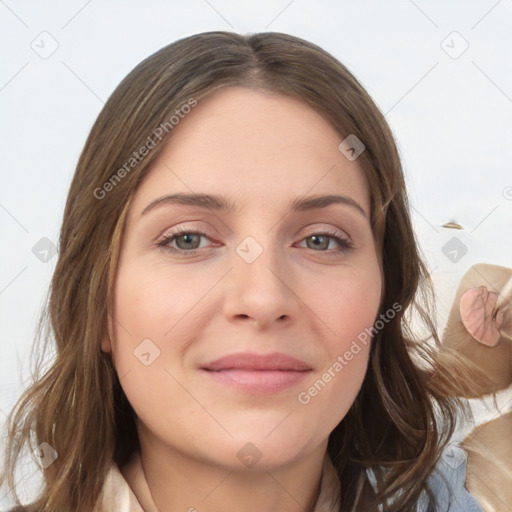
<point x="256" y="452"/>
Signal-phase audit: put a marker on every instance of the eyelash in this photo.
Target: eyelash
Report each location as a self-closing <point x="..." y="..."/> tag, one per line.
<point x="344" y="243"/>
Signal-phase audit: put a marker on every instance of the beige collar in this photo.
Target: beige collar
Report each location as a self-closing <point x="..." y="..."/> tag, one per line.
<point x="118" y="496"/>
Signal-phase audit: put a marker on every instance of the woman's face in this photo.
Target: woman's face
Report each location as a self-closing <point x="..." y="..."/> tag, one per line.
<point x="254" y="275"/>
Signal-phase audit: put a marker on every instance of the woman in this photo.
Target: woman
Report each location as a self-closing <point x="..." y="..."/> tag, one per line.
<point x="236" y="261"/>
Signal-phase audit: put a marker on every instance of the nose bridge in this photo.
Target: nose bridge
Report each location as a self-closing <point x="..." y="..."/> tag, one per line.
<point x="257" y="284"/>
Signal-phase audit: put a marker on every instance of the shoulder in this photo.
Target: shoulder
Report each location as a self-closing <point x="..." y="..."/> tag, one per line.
<point x="448" y="482"/>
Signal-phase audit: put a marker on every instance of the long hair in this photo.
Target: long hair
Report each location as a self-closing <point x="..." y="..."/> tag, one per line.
<point x="401" y="418"/>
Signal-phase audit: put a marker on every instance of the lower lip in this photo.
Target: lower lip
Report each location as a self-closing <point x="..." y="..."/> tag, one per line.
<point x="259" y="381"/>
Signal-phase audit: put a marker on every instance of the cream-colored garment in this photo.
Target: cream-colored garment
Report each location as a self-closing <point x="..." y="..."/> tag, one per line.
<point x="118" y="496"/>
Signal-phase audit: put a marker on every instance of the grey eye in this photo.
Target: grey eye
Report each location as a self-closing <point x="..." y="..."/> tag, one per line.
<point x="318" y="242"/>
<point x="191" y="241"/>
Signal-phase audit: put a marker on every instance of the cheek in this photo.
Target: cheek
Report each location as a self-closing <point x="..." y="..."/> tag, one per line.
<point x="348" y="307"/>
<point x="152" y="302"/>
<point x="347" y="304"/>
<point x="157" y="314"/>
<point x="149" y="312"/>
<point x="141" y="317"/>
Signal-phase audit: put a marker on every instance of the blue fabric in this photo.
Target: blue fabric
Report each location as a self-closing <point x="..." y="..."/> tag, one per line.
<point x="452" y="495"/>
<point x="447" y="483"/>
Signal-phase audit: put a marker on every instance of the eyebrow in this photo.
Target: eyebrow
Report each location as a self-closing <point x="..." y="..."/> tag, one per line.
<point x="223" y="205"/>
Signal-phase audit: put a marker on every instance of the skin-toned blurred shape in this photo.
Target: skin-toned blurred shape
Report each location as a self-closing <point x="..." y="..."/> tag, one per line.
<point x="477" y="345"/>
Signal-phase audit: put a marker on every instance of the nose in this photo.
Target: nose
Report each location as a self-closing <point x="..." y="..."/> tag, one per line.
<point x="260" y="292"/>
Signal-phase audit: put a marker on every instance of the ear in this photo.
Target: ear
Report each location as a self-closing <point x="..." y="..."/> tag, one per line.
<point x="480" y="315"/>
<point x="106" y="346"/>
<point x="106" y="343"/>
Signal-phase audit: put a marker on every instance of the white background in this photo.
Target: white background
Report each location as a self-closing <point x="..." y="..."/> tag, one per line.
<point x="451" y="118"/>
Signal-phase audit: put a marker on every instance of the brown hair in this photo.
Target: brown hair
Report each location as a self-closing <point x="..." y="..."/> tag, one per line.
<point x="78" y="406"/>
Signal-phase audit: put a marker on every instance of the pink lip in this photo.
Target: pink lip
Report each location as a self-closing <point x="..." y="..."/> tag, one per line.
<point x="252" y="361"/>
<point x="257" y="373"/>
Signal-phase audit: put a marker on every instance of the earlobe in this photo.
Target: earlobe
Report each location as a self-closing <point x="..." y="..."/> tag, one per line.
<point x="106" y="343"/>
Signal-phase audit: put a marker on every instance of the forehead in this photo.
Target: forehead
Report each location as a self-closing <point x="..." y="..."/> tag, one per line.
<point x="258" y="148"/>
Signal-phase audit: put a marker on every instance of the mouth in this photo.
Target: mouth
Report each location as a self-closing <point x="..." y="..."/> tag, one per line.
<point x="256" y="373"/>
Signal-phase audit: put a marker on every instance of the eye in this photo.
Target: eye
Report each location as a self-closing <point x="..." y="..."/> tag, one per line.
<point x="321" y="241"/>
<point x="187" y="241"/>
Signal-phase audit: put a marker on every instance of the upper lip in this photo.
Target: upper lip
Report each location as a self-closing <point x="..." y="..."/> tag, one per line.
<point x="253" y="361"/>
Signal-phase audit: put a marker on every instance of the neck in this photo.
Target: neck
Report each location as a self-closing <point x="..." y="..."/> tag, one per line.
<point x="165" y="479"/>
